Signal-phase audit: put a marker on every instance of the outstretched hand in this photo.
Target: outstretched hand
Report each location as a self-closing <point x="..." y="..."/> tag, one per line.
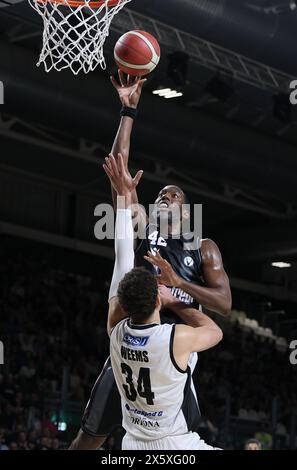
<point x="168" y="300"/>
<point x="119" y="175"/>
<point x="168" y="276"/>
<point x="129" y="89"/>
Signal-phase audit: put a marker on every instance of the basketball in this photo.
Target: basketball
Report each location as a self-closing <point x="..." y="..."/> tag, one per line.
<point x="137" y="53"/>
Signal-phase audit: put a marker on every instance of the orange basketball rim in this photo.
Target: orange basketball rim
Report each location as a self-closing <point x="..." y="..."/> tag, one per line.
<point x="79" y="3"/>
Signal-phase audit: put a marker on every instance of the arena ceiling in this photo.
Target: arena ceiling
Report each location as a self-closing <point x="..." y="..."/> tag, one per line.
<point x="232" y="153"/>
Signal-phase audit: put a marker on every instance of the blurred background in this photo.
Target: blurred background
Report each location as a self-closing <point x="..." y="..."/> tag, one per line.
<point x="227" y="137"/>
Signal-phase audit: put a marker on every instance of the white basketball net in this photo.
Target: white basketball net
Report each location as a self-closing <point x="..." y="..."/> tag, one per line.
<point x="74" y="37"/>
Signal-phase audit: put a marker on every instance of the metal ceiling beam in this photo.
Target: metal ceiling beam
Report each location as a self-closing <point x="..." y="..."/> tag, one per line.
<point x="52" y="182"/>
<point x="93" y="152"/>
<point x="14" y="38"/>
<point x="270" y="291"/>
<point x="286" y="249"/>
<point x="94" y="249"/>
<point x="203" y="52"/>
<point x="206" y="53"/>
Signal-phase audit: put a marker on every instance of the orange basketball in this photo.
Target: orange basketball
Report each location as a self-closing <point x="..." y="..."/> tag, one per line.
<point x="137" y="53"/>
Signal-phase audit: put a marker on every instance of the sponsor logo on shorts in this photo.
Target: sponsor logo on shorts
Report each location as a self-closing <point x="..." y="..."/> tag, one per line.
<point x="135" y="340"/>
<point x="143" y="413"/>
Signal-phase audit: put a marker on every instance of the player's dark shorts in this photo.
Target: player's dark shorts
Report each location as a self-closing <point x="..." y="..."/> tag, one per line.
<point x="103" y="412"/>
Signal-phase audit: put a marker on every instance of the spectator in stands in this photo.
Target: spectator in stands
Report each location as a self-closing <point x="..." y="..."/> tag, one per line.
<point x="49" y="429"/>
<point x="13" y="445"/>
<point x="253" y="444"/>
<point x="22" y="441"/>
<point x="52" y="318"/>
<point x="3" y="445"/>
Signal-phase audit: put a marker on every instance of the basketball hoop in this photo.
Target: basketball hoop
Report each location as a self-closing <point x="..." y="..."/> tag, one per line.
<point x="75" y="32"/>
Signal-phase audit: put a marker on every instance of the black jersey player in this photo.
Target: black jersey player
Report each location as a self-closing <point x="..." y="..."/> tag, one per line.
<point x="197" y="276"/>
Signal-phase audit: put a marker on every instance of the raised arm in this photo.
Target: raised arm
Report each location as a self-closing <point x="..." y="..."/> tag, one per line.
<point x="216" y="296"/>
<point x="123" y="184"/>
<point x="129" y="90"/>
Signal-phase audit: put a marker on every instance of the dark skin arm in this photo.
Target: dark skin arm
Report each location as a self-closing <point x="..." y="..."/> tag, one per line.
<point x="129" y="90"/>
<point x="216" y="296"/>
<point x="189" y="315"/>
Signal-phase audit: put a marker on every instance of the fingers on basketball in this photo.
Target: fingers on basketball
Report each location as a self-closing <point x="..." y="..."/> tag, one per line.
<point x="132" y="80"/>
<point x="142" y="82"/>
<point x="122" y="79"/>
<point x="115" y="82"/>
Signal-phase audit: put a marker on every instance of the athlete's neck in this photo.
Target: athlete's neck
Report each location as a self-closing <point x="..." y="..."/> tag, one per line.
<point x="154" y="318"/>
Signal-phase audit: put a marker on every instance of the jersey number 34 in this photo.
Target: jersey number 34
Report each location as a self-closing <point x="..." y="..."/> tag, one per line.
<point x="144" y="388"/>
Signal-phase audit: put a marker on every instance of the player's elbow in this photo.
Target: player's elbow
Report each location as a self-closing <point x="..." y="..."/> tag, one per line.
<point x="207" y="337"/>
<point x="226" y="309"/>
<point x="225" y="305"/>
<point x="219" y="335"/>
<point x="215" y="336"/>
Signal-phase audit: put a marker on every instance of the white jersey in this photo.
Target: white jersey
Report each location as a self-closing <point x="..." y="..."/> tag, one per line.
<point x="153" y="388"/>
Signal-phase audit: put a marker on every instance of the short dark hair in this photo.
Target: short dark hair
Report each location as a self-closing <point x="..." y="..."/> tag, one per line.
<point x="137" y="294"/>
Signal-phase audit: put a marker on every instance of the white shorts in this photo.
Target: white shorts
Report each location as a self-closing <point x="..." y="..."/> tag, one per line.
<point x="189" y="441"/>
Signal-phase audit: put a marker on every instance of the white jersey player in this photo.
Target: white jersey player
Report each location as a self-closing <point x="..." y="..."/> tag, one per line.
<point x="150" y="361"/>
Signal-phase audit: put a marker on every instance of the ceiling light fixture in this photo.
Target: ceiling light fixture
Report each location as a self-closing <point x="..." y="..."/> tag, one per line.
<point x="161" y="91"/>
<point x="281" y="264"/>
<point x="167" y="93"/>
<point x="174" y="94"/>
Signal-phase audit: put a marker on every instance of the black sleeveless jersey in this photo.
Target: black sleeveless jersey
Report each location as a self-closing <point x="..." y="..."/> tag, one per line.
<point x="186" y="263"/>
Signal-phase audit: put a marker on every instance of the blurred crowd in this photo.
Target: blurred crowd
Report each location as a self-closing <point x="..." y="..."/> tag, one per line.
<point x="249" y="375"/>
<point x="50" y="319"/>
<point x="53" y="318"/>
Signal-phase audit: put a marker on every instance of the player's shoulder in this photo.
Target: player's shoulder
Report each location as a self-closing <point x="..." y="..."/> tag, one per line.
<point x="208" y="246"/>
<point x="183" y="331"/>
<point x="207" y="242"/>
<point x="184" y="338"/>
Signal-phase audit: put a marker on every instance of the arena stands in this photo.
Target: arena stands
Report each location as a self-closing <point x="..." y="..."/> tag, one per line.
<point x="52" y="325"/>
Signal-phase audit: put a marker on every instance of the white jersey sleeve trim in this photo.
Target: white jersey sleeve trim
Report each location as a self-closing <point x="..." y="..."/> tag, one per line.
<point x="171" y="352"/>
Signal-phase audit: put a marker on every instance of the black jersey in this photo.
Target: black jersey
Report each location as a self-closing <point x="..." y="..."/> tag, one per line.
<point x="186" y="263"/>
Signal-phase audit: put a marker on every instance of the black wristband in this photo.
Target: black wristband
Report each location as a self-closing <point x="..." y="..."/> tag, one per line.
<point x="130" y="112"/>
